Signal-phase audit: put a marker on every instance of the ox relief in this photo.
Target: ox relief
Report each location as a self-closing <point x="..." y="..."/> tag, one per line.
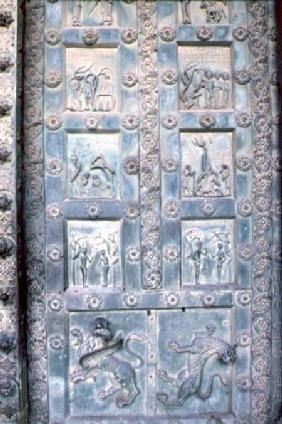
<point x="207" y="256"/>
<point x="207" y="165"/>
<point x="204" y="11"/>
<point x="205" y="78"/>
<point x="110" y="361"/>
<point x="91" y="86"/>
<point x="93" y="166"/>
<point x="204" y="348"/>
<point x="94" y="254"/>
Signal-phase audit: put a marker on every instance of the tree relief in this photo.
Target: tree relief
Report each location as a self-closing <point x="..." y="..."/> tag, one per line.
<point x="91" y="86"/>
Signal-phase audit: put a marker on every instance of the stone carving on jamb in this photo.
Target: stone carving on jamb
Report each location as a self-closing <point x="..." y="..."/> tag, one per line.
<point x="204" y="348"/>
<point x="207" y="252"/>
<point x="8" y="383"/>
<point x="93" y="166"/>
<point x="96" y="12"/>
<point x="100" y="353"/>
<point x="205" y="172"/>
<point x="94" y="258"/>
<point x="204" y="11"/>
<point x="91" y="90"/>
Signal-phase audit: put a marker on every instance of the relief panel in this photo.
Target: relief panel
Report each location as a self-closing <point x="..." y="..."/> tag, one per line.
<point x="107" y="370"/>
<point x="94" y="254"/>
<point x="207" y="252"/>
<point x="93" y="165"/>
<point x="91" y="80"/>
<point x="207" y="164"/>
<point x="203" y="11"/>
<point x="195" y="365"/>
<point x="91" y="13"/>
<point x="205" y="78"/>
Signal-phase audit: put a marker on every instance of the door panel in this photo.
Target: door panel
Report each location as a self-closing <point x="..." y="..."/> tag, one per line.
<point x="149" y="199"/>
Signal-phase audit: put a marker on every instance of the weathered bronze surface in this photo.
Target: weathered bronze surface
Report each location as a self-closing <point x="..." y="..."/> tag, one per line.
<point x="150" y="187"/>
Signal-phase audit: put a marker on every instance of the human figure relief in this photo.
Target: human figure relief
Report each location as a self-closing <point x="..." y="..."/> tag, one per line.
<point x="102" y="352"/>
<point x="90" y="91"/>
<point x="186" y="13"/>
<point x="188" y="181"/>
<point x="103" y="265"/>
<point x="204" y="347"/>
<point x="208" y="181"/>
<point x="99" y="10"/>
<point x="222" y="248"/>
<point x="100" y="252"/>
<point x="195" y="252"/>
<point x="82" y="254"/>
<point x="203" y="88"/>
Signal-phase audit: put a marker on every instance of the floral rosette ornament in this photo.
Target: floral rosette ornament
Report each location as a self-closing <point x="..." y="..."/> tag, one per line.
<point x="169" y="77"/>
<point x="207" y="120"/>
<point x="129" y="79"/>
<point x="204" y="33"/>
<point x="53" y="79"/>
<point x="90" y="37"/>
<point x="167" y="33"/>
<point x="129" y="35"/>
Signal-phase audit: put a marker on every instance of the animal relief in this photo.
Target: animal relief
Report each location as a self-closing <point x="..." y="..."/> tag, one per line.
<point x="102" y="352"/>
<point x="204" y="347"/>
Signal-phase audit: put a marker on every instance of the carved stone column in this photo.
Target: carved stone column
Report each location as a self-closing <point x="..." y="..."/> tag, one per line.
<point x="11" y="387"/>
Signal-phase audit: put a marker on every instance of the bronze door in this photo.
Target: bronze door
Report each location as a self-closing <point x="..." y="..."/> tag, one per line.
<point x="156" y="241"/>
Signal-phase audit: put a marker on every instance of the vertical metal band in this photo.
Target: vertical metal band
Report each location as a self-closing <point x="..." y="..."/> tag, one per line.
<point x="34" y="210"/>
<point x="149" y="145"/>
<point x="275" y="79"/>
<point x="262" y="235"/>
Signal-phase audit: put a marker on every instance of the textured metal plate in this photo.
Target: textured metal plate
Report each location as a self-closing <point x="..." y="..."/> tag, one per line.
<point x="148" y="136"/>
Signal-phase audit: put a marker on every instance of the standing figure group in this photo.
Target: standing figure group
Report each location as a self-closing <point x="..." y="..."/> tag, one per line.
<point x="98" y="10"/>
<point x="208" y="182"/>
<point x="203" y="88"/>
<point x="91" y="91"/>
<point x="208" y="253"/>
<point x="101" y="253"/>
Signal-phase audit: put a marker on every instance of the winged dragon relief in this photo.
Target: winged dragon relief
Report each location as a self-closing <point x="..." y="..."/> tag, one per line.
<point x="101" y="351"/>
<point x="204" y="347"/>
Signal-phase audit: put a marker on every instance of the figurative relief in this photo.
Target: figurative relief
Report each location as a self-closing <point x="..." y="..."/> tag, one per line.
<point x="91" y="86"/>
<point x="207" y="256"/>
<point x="194" y="371"/>
<point x="106" y="363"/>
<point x="94" y="254"/>
<point x="207" y="169"/>
<point x="88" y="13"/>
<point x="205" y="78"/>
<point x="204" y="347"/>
<point x="93" y="166"/>
<point x="203" y="11"/>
